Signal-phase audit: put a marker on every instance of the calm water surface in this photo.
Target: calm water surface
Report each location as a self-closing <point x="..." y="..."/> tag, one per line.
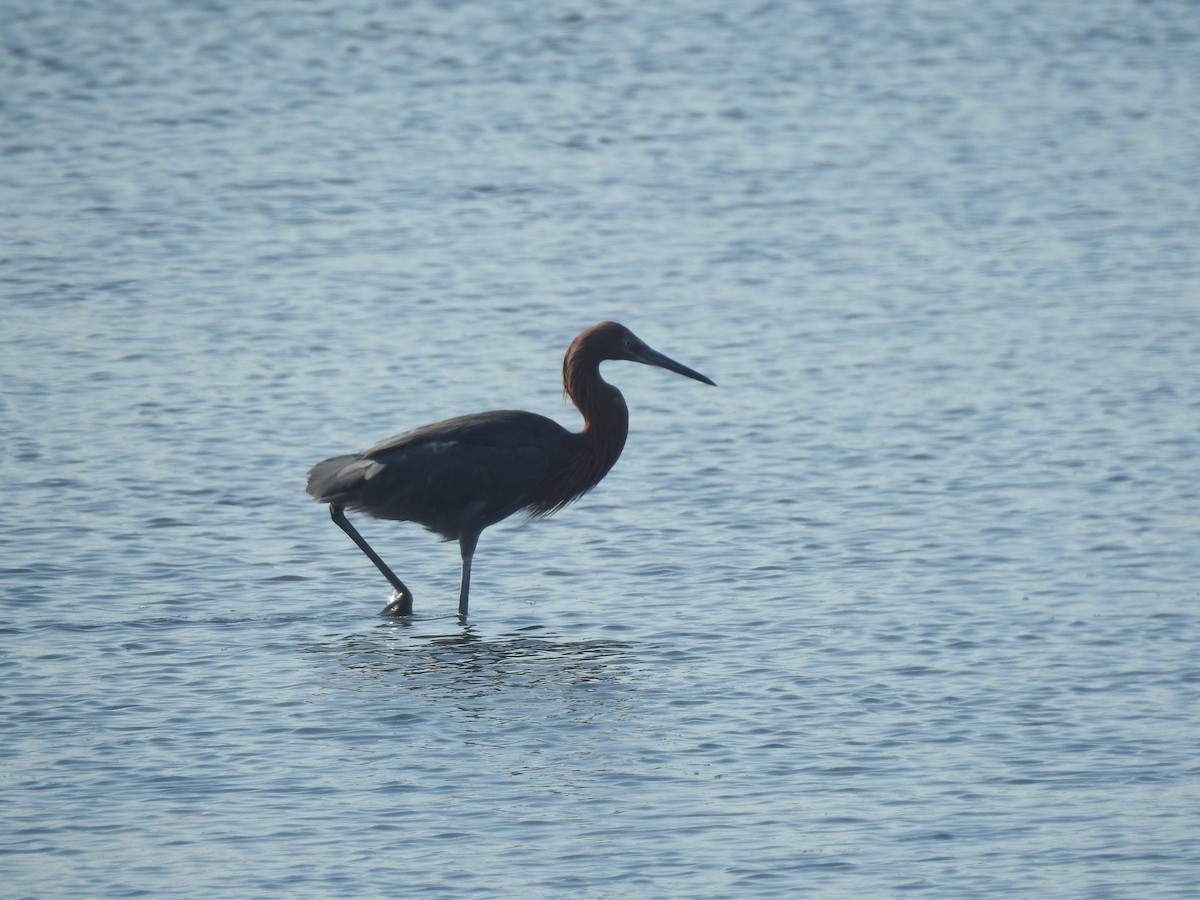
<point x="908" y="605"/>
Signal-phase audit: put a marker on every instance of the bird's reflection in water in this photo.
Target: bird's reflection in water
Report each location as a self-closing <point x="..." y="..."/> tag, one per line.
<point x="420" y="657"/>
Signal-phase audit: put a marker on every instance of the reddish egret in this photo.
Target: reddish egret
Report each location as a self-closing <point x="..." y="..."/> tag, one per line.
<point x="459" y="476"/>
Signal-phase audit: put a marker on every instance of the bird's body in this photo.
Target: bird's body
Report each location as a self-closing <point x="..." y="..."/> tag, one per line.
<point x="444" y="476"/>
<point x="461" y="475"/>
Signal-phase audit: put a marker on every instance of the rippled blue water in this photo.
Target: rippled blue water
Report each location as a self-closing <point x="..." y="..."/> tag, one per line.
<point x="907" y="605"/>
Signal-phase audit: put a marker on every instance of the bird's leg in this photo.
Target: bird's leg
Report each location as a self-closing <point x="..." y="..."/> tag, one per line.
<point x="402" y="605"/>
<point x="466" y="545"/>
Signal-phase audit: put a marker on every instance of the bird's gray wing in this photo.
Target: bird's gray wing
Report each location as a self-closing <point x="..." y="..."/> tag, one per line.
<point x="461" y="474"/>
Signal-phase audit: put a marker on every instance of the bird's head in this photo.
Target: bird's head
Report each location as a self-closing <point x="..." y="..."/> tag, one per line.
<point x="611" y="340"/>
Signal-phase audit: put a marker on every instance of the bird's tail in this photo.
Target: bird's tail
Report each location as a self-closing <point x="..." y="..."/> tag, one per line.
<point x="340" y="479"/>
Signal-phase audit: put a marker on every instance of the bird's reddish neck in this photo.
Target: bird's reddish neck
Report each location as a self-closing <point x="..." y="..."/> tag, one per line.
<point x="593" y="451"/>
<point x="605" y="415"/>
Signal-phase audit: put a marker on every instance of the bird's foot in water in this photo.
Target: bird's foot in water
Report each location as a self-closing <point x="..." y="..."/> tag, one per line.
<point x="401" y="605"/>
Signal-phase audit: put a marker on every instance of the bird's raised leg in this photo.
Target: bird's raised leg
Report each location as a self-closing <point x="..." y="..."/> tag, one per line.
<point x="466" y="546"/>
<point x="402" y="605"/>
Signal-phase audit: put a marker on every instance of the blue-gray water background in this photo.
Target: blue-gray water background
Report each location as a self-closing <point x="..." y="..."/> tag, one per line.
<point x="907" y="605"/>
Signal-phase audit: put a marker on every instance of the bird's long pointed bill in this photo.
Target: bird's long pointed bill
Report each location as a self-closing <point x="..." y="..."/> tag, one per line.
<point x="654" y="358"/>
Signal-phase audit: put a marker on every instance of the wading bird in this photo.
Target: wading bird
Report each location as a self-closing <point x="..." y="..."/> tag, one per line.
<point x="459" y="476"/>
